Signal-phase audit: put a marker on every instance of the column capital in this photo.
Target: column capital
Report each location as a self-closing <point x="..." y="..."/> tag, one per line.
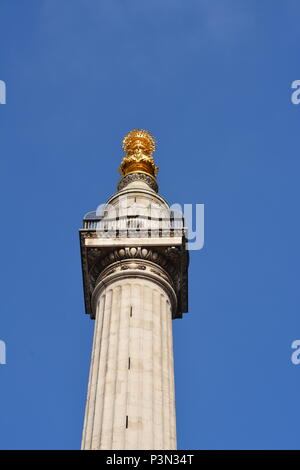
<point x="164" y="259"/>
<point x="137" y="268"/>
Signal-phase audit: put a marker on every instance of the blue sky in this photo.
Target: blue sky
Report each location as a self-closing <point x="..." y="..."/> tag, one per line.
<point x="212" y="81"/>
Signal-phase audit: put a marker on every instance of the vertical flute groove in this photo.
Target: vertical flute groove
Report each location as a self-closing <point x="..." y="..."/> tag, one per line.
<point x="173" y="411"/>
<point x="152" y="368"/>
<point x="116" y="374"/>
<point x="89" y="392"/>
<point x="140" y="361"/>
<point x="162" y="370"/>
<point x="93" y="382"/>
<point x="110" y="376"/>
<point x="103" y="364"/>
<point x="169" y="331"/>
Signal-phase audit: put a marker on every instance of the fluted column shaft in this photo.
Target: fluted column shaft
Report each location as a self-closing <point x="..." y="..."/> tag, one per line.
<point x="131" y="398"/>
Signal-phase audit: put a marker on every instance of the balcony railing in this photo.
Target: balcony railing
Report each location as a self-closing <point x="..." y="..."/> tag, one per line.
<point x="135" y="226"/>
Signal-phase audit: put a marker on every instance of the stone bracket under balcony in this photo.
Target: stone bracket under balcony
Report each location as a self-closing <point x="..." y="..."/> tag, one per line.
<point x="170" y="253"/>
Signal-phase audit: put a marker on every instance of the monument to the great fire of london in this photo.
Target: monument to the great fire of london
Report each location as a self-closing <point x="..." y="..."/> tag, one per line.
<point x="134" y="264"/>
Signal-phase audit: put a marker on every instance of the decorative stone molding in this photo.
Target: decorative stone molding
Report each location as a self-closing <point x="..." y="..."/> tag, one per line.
<point x="165" y="262"/>
<point x="133" y="233"/>
<point x="165" y="259"/>
<point x="138" y="177"/>
<point x="136" y="268"/>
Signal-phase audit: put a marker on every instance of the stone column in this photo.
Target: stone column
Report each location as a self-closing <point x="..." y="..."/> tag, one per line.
<point x="131" y="398"/>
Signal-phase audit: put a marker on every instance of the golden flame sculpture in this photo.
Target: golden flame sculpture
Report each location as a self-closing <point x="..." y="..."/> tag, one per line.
<point x="138" y="146"/>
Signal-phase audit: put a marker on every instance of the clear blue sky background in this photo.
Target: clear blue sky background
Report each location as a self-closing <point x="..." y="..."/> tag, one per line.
<point x="211" y="80"/>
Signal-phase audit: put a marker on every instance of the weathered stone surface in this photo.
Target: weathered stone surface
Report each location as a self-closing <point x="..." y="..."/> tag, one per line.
<point x="131" y="370"/>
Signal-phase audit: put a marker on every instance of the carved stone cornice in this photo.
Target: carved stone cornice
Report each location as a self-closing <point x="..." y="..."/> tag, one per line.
<point x="168" y="264"/>
<point x="165" y="258"/>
